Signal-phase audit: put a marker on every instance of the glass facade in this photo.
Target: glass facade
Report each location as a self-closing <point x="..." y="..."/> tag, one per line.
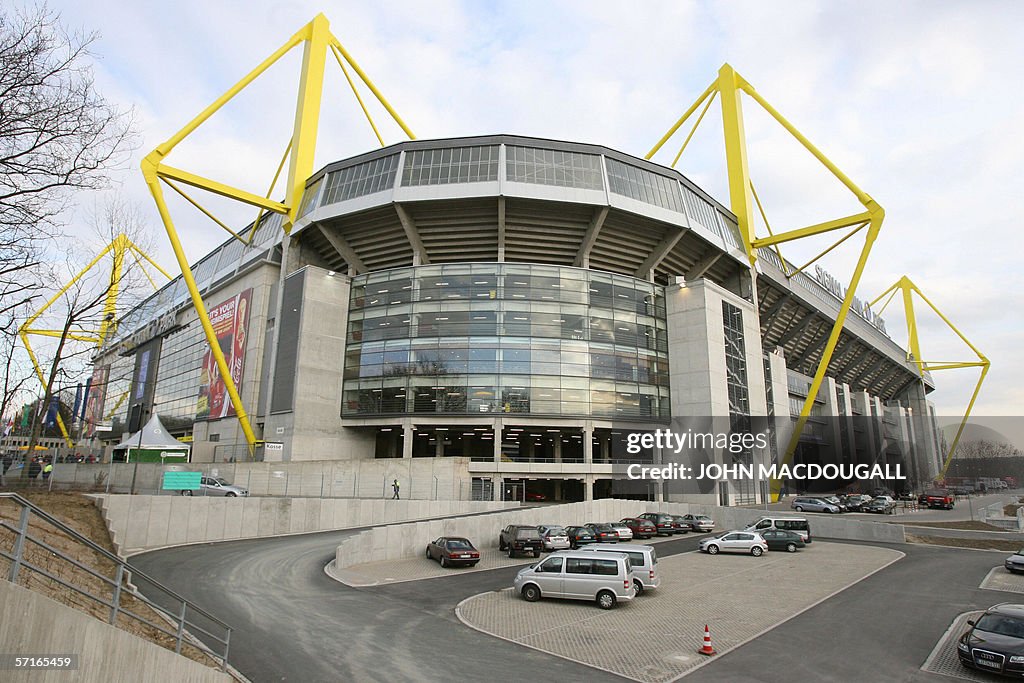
<point x="644" y="186"/>
<point x="506" y="338"/>
<point x="362" y="179"/>
<point x="554" y="167"/>
<point x="177" y="386"/>
<point x="450" y="165"/>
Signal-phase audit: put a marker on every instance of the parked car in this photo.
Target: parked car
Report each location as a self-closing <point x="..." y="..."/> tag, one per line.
<point x="889" y="500"/>
<point x="663" y="522"/>
<point x="701" y="523"/>
<point x="680" y="525"/>
<point x="534" y="497"/>
<point x="623" y="530"/>
<point x="995" y="641"/>
<point x="643" y="562"/>
<point x="520" y="539"/>
<point x="808" y="504"/>
<point x="837" y="502"/>
<point x="579" y="535"/>
<point x="641" y="528"/>
<point x="453" y="551"/>
<point x="854" y="501"/>
<point x="554" y="537"/>
<point x="605" y="578"/>
<point x="798" y="525"/>
<point x="603" y="533"/>
<point x="216" y="486"/>
<point x="1015" y="563"/>
<point x="789" y="541"/>
<point x="879" y="491"/>
<point x="878" y="506"/>
<point x="734" y="542"/>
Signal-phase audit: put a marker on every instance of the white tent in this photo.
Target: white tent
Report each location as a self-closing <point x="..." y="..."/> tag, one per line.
<point x="154" y="438"/>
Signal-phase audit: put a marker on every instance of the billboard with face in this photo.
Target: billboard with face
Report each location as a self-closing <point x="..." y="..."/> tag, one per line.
<point x="230" y="320"/>
<point x="94" y="401"/>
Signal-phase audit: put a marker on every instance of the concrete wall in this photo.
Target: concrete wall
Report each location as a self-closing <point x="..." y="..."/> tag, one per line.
<point x="419" y="478"/>
<point x="140" y="523"/>
<point x="35" y="624"/>
<point x="408" y="540"/>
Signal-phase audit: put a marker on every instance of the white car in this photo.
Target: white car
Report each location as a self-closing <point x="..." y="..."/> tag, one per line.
<point x="554" y="537"/>
<point x="217" y="486"/>
<point x="625" y="533"/>
<point x="734" y="542"/>
<point x="888" y="500"/>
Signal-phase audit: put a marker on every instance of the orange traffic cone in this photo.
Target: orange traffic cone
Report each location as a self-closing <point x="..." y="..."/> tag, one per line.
<point x="707" y="649"/>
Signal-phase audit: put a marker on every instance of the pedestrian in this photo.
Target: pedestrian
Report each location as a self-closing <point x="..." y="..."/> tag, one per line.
<point x="8" y="461"/>
<point x="395" y="487"/>
<point x="34" y="468"/>
<point x="47" y="470"/>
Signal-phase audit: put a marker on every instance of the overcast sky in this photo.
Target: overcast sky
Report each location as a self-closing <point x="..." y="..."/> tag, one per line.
<point x="918" y="102"/>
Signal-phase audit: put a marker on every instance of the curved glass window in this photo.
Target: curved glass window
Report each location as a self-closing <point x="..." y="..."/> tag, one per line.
<point x="506" y="338"/>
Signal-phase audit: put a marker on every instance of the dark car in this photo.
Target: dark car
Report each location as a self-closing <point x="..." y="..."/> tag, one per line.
<point x="517" y="538"/>
<point x="453" y="551"/>
<point x="1015" y="563"/>
<point x="641" y="528"/>
<point x="603" y="533"/>
<point x="782" y="540"/>
<point x="880" y="507"/>
<point x="854" y="501"/>
<point x="879" y="491"/>
<point x="663" y="522"/>
<point x="680" y="524"/>
<point x="579" y="535"/>
<point x="835" y="500"/>
<point x="995" y="642"/>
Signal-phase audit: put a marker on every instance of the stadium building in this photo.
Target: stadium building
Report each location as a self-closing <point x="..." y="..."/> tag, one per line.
<point x="509" y="307"/>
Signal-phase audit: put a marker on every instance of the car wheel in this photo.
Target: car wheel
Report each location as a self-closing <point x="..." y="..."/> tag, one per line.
<point x="536" y="553"/>
<point x="791" y="547"/>
<point x="531" y="593"/>
<point x="606" y="599"/>
<point x="186" y="493"/>
<point x="231" y="494"/>
<point x="756" y="551"/>
<point x="828" y="511"/>
<point x="799" y="508"/>
<point x="501" y="546"/>
<point x="511" y="552"/>
<point x="637" y="586"/>
<point x="444" y="561"/>
<point x="428" y="554"/>
<point x="712" y="549"/>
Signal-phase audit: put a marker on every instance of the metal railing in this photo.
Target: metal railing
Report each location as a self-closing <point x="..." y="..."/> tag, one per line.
<point x="182" y="615"/>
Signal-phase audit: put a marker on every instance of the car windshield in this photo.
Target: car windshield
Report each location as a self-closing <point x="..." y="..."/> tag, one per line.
<point x="527" y="533"/>
<point x="702" y="518"/>
<point x="1002" y="625"/>
<point x="1020" y="552"/>
<point x="555" y="531"/>
<point x="459" y="544"/>
<point x="222" y="481"/>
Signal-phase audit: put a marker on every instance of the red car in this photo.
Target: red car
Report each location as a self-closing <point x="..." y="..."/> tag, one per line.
<point x="453" y="551"/>
<point x="641" y="528"/>
<point x="535" y="497"/>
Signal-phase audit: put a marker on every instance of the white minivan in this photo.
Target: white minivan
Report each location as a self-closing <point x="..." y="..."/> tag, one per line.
<point x="798" y="525"/>
<point x="643" y="559"/>
<point x="604" y="577"/>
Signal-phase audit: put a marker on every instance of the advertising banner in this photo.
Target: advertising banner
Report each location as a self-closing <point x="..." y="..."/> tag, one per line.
<point x="230" y="321"/>
<point x="95" y="396"/>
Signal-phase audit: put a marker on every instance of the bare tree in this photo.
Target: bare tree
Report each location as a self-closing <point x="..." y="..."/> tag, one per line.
<point x="57" y="135"/>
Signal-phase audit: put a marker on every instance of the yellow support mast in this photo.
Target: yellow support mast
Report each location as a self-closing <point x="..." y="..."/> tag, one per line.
<point x="729" y="86"/>
<point x="317" y="40"/>
<point x="119" y="248"/>
<point x="907" y="288"/>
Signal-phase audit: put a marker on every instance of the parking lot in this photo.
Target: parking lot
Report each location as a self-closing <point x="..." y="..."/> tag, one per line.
<point x="655" y="637"/>
<point x="417" y="568"/>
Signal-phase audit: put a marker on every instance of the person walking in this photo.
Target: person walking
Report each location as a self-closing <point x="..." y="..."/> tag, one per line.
<point x="47" y="470"/>
<point x="395" y="487"/>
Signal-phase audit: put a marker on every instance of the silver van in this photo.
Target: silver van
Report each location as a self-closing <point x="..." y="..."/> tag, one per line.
<point x="643" y="559"/>
<point x="603" y="577"/>
<point x="797" y="525"/>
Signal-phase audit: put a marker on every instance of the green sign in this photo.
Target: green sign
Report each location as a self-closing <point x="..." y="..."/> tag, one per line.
<point x="181" y="481"/>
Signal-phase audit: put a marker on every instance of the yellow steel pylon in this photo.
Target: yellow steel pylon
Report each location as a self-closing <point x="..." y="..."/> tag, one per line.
<point x="908" y="289"/>
<point x="317" y="41"/>
<point x="728" y="87"/>
<point x="118" y="248"/>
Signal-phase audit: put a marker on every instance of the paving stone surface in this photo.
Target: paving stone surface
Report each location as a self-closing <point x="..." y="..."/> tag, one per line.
<point x="944" y="660"/>
<point x="655" y="637"/>
<point x="1001" y="580"/>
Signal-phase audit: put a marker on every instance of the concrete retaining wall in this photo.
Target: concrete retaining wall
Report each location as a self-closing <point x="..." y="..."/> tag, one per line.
<point x="33" y="624"/>
<point x="419" y="478"/>
<point x="408" y="540"/>
<point x="139" y="523"/>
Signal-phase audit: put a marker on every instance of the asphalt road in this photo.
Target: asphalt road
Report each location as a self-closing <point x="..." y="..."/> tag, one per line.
<point x="294" y="623"/>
